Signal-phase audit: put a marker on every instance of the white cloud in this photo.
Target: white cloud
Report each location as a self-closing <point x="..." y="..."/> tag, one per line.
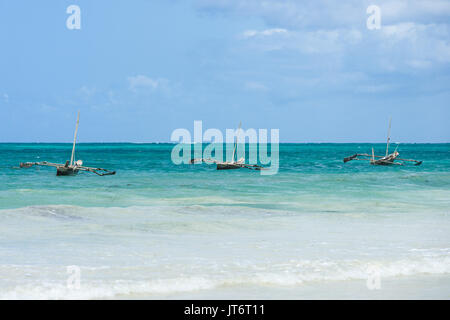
<point x="264" y="33"/>
<point x="143" y="82"/>
<point x="419" y="64"/>
<point x="397" y="11"/>
<point x="254" y="86"/>
<point x="5" y="98"/>
<point x="418" y="45"/>
<point x="47" y="108"/>
<point x="294" y="14"/>
<point x="87" y="91"/>
<point x="373" y="88"/>
<point x="308" y="42"/>
<point x="393" y="48"/>
<point x="323" y="44"/>
<point x="288" y="13"/>
<point x="413" y="34"/>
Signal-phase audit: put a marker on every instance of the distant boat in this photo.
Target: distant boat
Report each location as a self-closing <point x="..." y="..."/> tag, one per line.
<point x="386" y="160"/>
<point x="71" y="167"/>
<point x="233" y="164"/>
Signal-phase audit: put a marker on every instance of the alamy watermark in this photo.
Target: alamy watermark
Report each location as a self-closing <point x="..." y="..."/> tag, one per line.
<point x="74" y="279"/>
<point x="374" y="20"/>
<point x="235" y="146"/>
<point x="73" y="22"/>
<point x="373" y="277"/>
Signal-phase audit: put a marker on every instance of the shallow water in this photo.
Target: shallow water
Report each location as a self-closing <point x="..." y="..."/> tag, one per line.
<point x="157" y="230"/>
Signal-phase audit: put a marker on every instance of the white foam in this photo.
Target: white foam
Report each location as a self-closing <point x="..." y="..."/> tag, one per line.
<point x="50" y="291"/>
<point x="295" y="273"/>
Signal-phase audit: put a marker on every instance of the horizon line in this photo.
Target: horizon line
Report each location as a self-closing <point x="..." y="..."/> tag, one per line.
<point x="166" y="142"/>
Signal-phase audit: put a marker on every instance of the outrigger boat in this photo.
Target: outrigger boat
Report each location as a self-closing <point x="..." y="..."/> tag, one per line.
<point x="386" y="160"/>
<point x="71" y="167"/>
<point x="233" y="164"/>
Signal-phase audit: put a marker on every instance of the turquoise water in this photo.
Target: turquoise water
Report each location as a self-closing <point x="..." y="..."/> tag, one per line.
<point x="156" y="229"/>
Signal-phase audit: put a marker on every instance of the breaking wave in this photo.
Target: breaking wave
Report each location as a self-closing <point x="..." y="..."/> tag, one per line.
<point x="292" y="274"/>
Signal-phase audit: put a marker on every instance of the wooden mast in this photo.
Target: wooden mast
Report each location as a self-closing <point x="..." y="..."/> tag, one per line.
<point x="388" y="137"/>
<point x="75" y="139"/>
<point x="235" y="144"/>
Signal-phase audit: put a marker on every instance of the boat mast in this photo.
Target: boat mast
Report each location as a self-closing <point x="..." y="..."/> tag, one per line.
<point x="235" y="144"/>
<point x="75" y="139"/>
<point x="388" y="137"/>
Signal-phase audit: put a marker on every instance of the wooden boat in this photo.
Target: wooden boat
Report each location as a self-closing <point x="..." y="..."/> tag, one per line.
<point x="386" y="160"/>
<point x="230" y="165"/>
<point x="67" y="170"/>
<point x="71" y="167"/>
<point x="227" y="166"/>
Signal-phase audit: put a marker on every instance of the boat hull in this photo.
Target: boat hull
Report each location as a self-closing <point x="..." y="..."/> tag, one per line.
<point x="227" y="166"/>
<point x="66" y="171"/>
<point x="382" y="163"/>
<point x="386" y="161"/>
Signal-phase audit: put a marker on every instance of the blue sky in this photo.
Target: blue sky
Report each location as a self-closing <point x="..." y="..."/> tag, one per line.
<point x="139" y="69"/>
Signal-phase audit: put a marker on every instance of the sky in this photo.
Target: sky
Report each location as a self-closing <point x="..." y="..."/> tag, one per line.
<point x="137" y="70"/>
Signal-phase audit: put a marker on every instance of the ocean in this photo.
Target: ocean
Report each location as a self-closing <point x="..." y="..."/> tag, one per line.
<point x="318" y="229"/>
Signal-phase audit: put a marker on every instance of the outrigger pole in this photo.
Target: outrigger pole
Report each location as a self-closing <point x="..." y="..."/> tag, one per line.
<point x="372" y="157"/>
<point x="58" y="166"/>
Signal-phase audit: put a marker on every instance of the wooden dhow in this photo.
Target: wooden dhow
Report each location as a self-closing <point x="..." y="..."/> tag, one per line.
<point x="386" y="160"/>
<point x="71" y="167"/>
<point x="229" y="165"/>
